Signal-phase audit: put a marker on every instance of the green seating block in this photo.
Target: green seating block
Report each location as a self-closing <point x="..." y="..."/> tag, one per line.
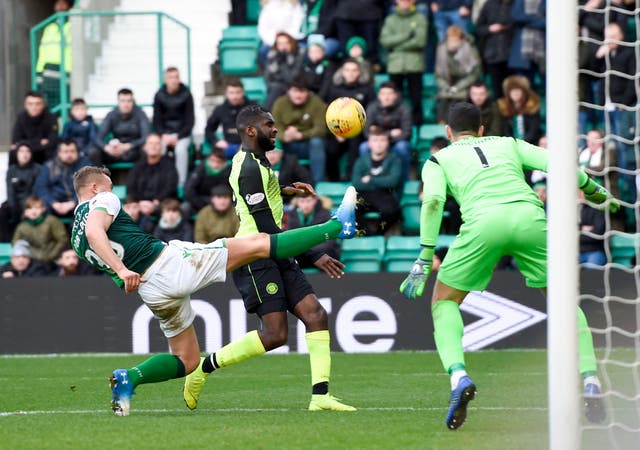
<point x="623" y="248"/>
<point x="5" y="252"/>
<point x="333" y="189"/>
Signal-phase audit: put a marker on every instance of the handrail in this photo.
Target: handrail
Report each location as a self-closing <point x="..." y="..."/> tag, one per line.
<point x="61" y="17"/>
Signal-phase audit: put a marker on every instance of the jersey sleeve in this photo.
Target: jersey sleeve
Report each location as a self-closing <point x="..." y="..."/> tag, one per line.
<point x="433" y="198"/>
<point x="532" y="156"/>
<point x="106" y="201"/>
<point x="251" y="187"/>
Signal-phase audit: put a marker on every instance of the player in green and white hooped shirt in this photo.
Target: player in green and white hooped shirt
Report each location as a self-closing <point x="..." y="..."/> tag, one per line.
<point x="501" y="216"/>
<point x="165" y="275"/>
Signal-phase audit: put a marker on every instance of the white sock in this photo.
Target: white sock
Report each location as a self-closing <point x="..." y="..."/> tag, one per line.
<point x="592" y="379"/>
<point x="455" y="378"/>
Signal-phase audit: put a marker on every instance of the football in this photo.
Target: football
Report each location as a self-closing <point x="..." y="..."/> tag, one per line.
<point x="345" y="117"/>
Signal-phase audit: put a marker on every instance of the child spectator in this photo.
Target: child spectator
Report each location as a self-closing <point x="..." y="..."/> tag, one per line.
<point x="213" y="171"/>
<point x="171" y="224"/>
<point x="317" y="70"/>
<point x="288" y="169"/>
<point x="45" y="233"/>
<point x="21" y="264"/>
<point x="218" y="219"/>
<point x="520" y="109"/>
<point x="356" y="49"/>
<point x="80" y="128"/>
<point x="284" y="62"/>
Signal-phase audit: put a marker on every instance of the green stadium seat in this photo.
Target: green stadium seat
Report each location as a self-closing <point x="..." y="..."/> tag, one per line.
<point x="241" y="33"/>
<point x="120" y="166"/>
<point x="5" y="252"/>
<point x="238" y="57"/>
<point x="410" y="193"/>
<point x="428" y="132"/>
<point x="363" y="254"/>
<point x="445" y="240"/>
<point x="429" y="110"/>
<point x="380" y="78"/>
<point x="411" y="219"/>
<point x="120" y="190"/>
<point x="253" y="10"/>
<point x="255" y="88"/>
<point x="623" y="248"/>
<point x="401" y="252"/>
<point x="429" y="85"/>
<point x="334" y="190"/>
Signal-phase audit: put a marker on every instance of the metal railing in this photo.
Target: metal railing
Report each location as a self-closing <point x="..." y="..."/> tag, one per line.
<point x="61" y="19"/>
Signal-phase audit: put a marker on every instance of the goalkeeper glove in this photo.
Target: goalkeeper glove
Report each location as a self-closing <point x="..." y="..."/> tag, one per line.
<point x="413" y="285"/>
<point x="600" y="195"/>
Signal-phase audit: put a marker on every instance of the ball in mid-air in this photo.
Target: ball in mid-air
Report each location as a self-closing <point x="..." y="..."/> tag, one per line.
<point x="345" y="117"/>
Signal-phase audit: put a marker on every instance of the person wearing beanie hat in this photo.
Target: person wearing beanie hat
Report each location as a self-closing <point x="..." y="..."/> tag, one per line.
<point x="356" y="48"/>
<point x="520" y="109"/>
<point x="21" y="264"/>
<point x="317" y="70"/>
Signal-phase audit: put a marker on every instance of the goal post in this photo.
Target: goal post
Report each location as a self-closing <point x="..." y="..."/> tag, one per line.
<point x="562" y="236"/>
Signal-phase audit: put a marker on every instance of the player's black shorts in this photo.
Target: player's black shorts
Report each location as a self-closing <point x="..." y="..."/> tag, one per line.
<point x="271" y="285"/>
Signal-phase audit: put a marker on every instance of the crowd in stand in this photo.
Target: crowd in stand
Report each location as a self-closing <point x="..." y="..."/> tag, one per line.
<point x="489" y="52"/>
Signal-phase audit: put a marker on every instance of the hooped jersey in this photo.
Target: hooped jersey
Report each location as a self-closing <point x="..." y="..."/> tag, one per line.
<point x="137" y="249"/>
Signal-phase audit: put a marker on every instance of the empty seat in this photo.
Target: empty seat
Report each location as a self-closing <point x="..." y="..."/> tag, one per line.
<point x="363" y="254"/>
<point x="334" y="190"/>
<point x="241" y="33"/>
<point x="255" y="88"/>
<point x="5" y="252"/>
<point x="238" y="57"/>
<point x="401" y="252"/>
<point x="623" y="248"/>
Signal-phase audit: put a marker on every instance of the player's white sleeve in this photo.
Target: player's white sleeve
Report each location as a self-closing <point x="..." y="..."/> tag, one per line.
<point x="106" y="201"/>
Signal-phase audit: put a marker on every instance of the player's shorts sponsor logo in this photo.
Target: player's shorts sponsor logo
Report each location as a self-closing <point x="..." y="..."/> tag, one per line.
<point x="272" y="288"/>
<point x="254" y="199"/>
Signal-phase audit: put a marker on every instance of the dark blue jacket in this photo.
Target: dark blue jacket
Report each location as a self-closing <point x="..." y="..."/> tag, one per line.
<point x="450" y="5"/>
<point x="82" y="133"/>
<point x="522" y="20"/>
<point x="55" y="182"/>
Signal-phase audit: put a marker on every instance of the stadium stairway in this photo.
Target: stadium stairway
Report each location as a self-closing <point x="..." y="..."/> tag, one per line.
<point x="128" y="57"/>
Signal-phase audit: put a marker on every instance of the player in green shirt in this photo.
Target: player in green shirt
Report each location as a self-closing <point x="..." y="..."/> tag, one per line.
<point x="501" y="216"/>
<point x="165" y="274"/>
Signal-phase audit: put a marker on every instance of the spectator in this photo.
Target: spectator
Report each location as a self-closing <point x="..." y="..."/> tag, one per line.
<point x="360" y="18"/>
<point x="172" y="225"/>
<point x="490" y="114"/>
<point x="458" y="66"/>
<point x="218" y="219"/>
<point x="37" y="127"/>
<point x="45" y="233"/>
<point x="317" y="70"/>
<point x="320" y="19"/>
<point x="21" y="179"/>
<point x="225" y="115"/>
<point x="447" y="13"/>
<point x="80" y="128"/>
<point x="153" y="178"/>
<point x="309" y="211"/>
<point x="21" y="264"/>
<point x="55" y="181"/>
<point x="356" y="49"/>
<point x="278" y="16"/>
<point x="527" y="55"/>
<point x="69" y="265"/>
<point x="299" y="117"/>
<point x="520" y="109"/>
<point x="131" y="206"/>
<point x="540" y="188"/>
<point x="129" y="127"/>
<point x="347" y="82"/>
<point x="495" y="33"/>
<point x="284" y="63"/>
<point x="391" y="114"/>
<point x="173" y="119"/>
<point x="215" y="170"/>
<point x="592" y="222"/>
<point x="377" y="176"/>
<point x="288" y="169"/>
<point x="404" y="36"/>
<point x="596" y="159"/>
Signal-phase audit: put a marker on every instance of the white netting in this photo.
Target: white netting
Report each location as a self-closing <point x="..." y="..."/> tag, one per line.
<point x="614" y="314"/>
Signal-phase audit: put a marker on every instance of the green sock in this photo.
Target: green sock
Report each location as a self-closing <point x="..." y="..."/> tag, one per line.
<point x="587" y="356"/>
<point x="158" y="368"/>
<point x="318" y="343"/>
<point x="244" y="348"/>
<point x="294" y="242"/>
<point x="447" y="330"/>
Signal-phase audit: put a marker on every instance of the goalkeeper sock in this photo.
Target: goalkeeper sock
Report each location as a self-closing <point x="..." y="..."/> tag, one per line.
<point x="587" y="356"/>
<point x="447" y="330"/>
<point x="244" y="348"/>
<point x="294" y="242"/>
<point x="318" y="343"/>
<point x="158" y="368"/>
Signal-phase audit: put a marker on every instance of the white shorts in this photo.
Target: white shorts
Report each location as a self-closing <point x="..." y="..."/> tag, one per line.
<point x="182" y="268"/>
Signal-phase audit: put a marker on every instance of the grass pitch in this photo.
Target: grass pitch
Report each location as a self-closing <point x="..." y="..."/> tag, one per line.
<point x="64" y="402"/>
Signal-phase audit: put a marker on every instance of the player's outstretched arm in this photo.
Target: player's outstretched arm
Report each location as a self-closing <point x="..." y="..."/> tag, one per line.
<point x="595" y="193"/>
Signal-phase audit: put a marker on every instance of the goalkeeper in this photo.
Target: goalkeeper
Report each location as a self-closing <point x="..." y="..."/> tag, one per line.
<point x="501" y="216"/>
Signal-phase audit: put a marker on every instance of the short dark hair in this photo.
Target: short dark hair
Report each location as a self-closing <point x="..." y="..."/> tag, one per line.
<point x="299" y="82"/>
<point x="130" y="198"/>
<point x="67" y="142"/>
<point x="78" y="101"/>
<point x="439" y="142"/>
<point x="249" y="116"/>
<point x="479" y="83"/>
<point x="375" y="130"/>
<point x="171" y="69"/>
<point x="170" y="204"/>
<point x="233" y="82"/>
<point x="352" y="61"/>
<point x="218" y="153"/>
<point x="390" y="85"/>
<point x="464" y="117"/>
<point x="125" y="91"/>
<point x="34" y="94"/>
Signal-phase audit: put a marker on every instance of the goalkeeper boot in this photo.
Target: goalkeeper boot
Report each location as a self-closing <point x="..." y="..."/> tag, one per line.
<point x="121" y="392"/>
<point x="193" y="386"/>
<point x="593" y="404"/>
<point x="346" y="213"/>
<point x="327" y="402"/>
<point x="460" y="397"/>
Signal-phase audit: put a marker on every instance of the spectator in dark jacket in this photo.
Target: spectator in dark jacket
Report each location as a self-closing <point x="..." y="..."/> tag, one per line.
<point x="153" y="178"/>
<point x="520" y="109"/>
<point x="21" y="264"/>
<point x="592" y="221"/>
<point x="69" y="265"/>
<point x="213" y="171"/>
<point x="447" y="13"/>
<point x="360" y="18"/>
<point x="173" y="119"/>
<point x="495" y="33"/>
<point x="37" y="127"/>
<point x="287" y="169"/>
<point x="347" y="82"/>
<point x="128" y="127"/>
<point x="317" y="70"/>
<point x="528" y="50"/>
<point x="391" y="114"/>
<point x="80" y="128"/>
<point x="172" y="225"/>
<point x="55" y="181"/>
<point x="284" y="63"/>
<point x="309" y="211"/>
<point x="490" y="114"/>
<point x="21" y="179"/>
<point x="377" y="176"/>
<point x="225" y="115"/>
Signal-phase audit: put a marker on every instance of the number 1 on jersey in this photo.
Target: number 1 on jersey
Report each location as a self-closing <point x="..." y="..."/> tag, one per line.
<point x="483" y="159"/>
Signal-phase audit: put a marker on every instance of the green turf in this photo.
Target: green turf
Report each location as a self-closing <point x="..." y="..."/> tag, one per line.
<point x="260" y="404"/>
